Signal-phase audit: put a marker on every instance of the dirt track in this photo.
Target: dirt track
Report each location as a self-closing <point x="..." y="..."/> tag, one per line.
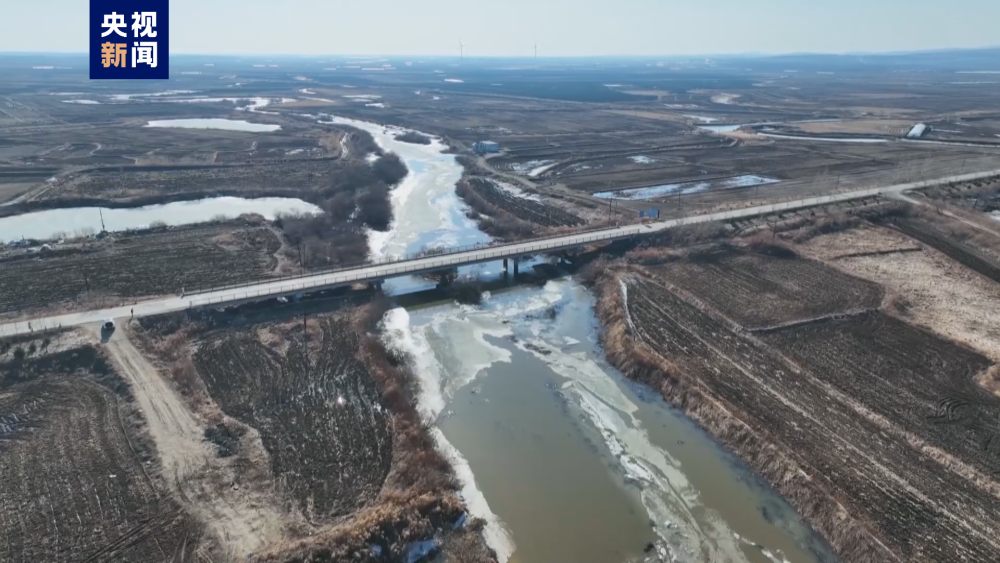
<point x="242" y="522"/>
<point x="73" y="463"/>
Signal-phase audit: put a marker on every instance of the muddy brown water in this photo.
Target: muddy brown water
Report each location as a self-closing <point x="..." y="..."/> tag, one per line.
<point x="574" y="462"/>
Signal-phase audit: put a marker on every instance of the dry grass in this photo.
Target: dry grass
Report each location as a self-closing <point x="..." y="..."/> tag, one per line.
<point x="990" y="380"/>
<point x="959" y="228"/>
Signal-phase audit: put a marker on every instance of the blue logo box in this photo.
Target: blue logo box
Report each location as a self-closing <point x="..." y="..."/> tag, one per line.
<point x="129" y="39"/>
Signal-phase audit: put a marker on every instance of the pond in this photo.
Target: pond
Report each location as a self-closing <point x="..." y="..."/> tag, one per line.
<point x="653" y="192"/>
<point x="56" y="223"/>
<point x="216" y="123"/>
<point x="721" y="128"/>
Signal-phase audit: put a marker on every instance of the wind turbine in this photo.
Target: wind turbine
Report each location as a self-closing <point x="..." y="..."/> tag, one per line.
<point x="461" y="50"/>
<point x="536" y="50"/>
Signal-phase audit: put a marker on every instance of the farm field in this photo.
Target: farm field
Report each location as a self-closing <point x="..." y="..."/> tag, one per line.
<point x="823" y="393"/>
<point x="127" y="266"/>
<point x="80" y="481"/>
<point x="758" y="290"/>
<point x="940" y="294"/>
<point x="316" y="409"/>
<point x="849" y="363"/>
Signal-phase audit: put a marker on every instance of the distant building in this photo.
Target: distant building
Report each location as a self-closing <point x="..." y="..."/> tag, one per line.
<point x="486" y="146"/>
<point x="919" y="130"/>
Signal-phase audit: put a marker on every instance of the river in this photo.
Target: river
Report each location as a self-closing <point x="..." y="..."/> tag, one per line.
<point x="563" y="457"/>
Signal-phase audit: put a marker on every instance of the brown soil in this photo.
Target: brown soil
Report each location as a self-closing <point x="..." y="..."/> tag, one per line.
<point x="339" y="462"/>
<point x="760" y="290"/>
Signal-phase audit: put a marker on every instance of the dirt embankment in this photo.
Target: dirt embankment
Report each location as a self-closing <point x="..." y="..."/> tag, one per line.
<point x="314" y="421"/>
<point x="875" y="430"/>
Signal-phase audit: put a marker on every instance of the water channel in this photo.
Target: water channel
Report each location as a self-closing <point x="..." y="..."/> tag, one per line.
<point x="563" y="457"/>
<point x="57" y="223"/>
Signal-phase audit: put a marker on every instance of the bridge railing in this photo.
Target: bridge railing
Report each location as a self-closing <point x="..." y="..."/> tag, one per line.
<point x="330" y="279"/>
<point x="444" y="251"/>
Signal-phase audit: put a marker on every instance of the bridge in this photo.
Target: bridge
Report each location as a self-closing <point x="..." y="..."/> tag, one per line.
<point x="376" y="272"/>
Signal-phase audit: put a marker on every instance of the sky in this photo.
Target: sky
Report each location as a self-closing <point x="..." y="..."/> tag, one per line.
<point x="512" y="27"/>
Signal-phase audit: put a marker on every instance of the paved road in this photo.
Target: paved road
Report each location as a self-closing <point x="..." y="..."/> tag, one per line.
<point x="382" y="271"/>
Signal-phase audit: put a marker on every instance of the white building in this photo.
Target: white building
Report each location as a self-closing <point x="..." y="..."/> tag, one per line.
<point x="918" y="131"/>
<point x="486" y="146"/>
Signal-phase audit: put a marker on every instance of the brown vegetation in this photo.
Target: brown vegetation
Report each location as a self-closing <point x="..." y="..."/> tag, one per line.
<point x="493" y="200"/>
<point x="768" y="285"/>
<point x="492" y="220"/>
<point x="356" y="198"/>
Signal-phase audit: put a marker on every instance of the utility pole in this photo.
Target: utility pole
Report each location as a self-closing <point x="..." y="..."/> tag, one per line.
<point x="102" y="219"/>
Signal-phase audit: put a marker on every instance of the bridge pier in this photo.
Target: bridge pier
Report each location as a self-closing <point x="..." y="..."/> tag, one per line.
<point x="505" y="265"/>
<point x="515" y="267"/>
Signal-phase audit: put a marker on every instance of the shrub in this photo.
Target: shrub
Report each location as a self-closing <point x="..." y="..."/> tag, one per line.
<point x="414" y="137"/>
<point x="374" y="208"/>
<point x="390" y="169"/>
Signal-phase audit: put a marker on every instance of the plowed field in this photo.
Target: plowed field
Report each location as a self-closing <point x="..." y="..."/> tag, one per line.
<point x="759" y="290"/>
<point x="75" y="484"/>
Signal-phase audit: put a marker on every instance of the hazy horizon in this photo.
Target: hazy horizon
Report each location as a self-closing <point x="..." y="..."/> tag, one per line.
<point x="541" y="56"/>
<point x="586" y="28"/>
